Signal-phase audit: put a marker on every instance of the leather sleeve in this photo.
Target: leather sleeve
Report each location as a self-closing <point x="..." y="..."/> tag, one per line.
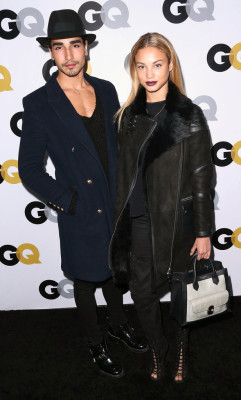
<point x="201" y="175"/>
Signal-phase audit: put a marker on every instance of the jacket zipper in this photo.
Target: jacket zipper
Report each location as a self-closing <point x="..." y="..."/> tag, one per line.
<point x="187" y="198"/>
<point x="132" y="185"/>
<point x="151" y="225"/>
<point x="169" y="272"/>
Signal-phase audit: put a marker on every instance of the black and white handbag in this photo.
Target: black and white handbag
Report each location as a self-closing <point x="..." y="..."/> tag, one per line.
<point x="200" y="292"/>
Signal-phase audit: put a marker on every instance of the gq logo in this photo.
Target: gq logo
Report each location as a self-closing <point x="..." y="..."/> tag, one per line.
<point x="51" y="290"/>
<point x="94" y="15"/>
<point x="210" y="106"/>
<point x="177" y="11"/>
<point x="29" y="21"/>
<point x="9" y="173"/>
<point x="5" y="81"/>
<point x="220" y="57"/>
<point x="228" y="155"/>
<point x="38" y="213"/>
<point x="224" y="238"/>
<point x="10" y="255"/>
<point x="16" y="120"/>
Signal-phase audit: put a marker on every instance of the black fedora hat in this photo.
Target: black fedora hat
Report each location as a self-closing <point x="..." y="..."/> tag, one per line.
<point x="64" y="24"/>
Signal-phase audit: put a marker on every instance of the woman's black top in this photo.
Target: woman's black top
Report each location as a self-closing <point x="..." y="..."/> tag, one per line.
<point x="95" y="126"/>
<point x="137" y="199"/>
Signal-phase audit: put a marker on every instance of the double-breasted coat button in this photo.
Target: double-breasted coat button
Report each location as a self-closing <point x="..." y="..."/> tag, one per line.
<point x="89" y="181"/>
<point x="99" y="211"/>
<point x="72" y="149"/>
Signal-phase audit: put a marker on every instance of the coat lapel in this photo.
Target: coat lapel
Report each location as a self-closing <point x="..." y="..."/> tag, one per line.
<point x="61" y="105"/>
<point x="110" y="105"/>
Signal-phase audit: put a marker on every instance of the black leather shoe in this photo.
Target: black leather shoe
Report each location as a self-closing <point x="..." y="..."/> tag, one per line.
<point x="102" y="357"/>
<point x="125" y="333"/>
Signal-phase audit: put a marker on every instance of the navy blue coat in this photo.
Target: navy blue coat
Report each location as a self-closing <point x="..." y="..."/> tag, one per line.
<point x="50" y="123"/>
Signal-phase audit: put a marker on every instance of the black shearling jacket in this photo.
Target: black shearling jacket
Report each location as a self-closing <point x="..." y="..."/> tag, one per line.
<point x="177" y="180"/>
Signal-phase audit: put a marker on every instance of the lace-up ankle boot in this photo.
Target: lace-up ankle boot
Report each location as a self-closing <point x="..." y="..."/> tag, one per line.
<point x="181" y="367"/>
<point x="158" y="353"/>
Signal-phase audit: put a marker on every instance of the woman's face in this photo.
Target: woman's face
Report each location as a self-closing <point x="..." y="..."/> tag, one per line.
<point x="153" y="69"/>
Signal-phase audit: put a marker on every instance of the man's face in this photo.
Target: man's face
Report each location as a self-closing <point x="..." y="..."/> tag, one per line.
<point x="69" y="55"/>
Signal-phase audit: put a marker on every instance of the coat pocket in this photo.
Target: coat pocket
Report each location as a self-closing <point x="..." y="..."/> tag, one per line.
<point x="187" y="217"/>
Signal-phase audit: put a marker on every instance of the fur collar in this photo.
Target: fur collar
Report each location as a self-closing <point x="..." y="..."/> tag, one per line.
<point x="175" y="102"/>
<point x="180" y="114"/>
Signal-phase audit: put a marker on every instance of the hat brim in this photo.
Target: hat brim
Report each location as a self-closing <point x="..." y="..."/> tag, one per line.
<point x="44" y="41"/>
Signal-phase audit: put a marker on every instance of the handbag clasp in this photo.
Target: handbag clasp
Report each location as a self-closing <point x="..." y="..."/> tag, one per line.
<point x="210" y="310"/>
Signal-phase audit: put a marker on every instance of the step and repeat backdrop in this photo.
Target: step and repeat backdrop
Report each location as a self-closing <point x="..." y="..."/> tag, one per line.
<point x="206" y="36"/>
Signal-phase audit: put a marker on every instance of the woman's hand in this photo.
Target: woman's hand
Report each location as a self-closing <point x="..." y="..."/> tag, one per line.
<point x="203" y="246"/>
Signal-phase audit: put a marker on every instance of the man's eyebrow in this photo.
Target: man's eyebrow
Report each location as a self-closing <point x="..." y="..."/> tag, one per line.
<point x="75" y="41"/>
<point x="57" y="44"/>
<point x="71" y="42"/>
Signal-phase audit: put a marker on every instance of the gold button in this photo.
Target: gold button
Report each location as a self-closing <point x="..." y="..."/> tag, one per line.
<point x="89" y="181"/>
<point x="62" y="209"/>
<point x="99" y="211"/>
<point x="58" y="207"/>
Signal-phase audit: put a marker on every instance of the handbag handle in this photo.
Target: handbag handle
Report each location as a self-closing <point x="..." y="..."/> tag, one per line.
<point x="195" y="281"/>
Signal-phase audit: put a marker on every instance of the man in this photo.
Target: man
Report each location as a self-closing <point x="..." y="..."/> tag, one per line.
<point x="71" y="118"/>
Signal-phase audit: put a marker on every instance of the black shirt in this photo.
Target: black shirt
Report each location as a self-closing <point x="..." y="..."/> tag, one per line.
<point x="137" y="199"/>
<point x="95" y="126"/>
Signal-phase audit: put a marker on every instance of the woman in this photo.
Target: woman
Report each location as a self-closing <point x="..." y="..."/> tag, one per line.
<point x="163" y="206"/>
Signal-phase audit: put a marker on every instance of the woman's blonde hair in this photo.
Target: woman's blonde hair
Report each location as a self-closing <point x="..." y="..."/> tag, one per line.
<point x="162" y="43"/>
